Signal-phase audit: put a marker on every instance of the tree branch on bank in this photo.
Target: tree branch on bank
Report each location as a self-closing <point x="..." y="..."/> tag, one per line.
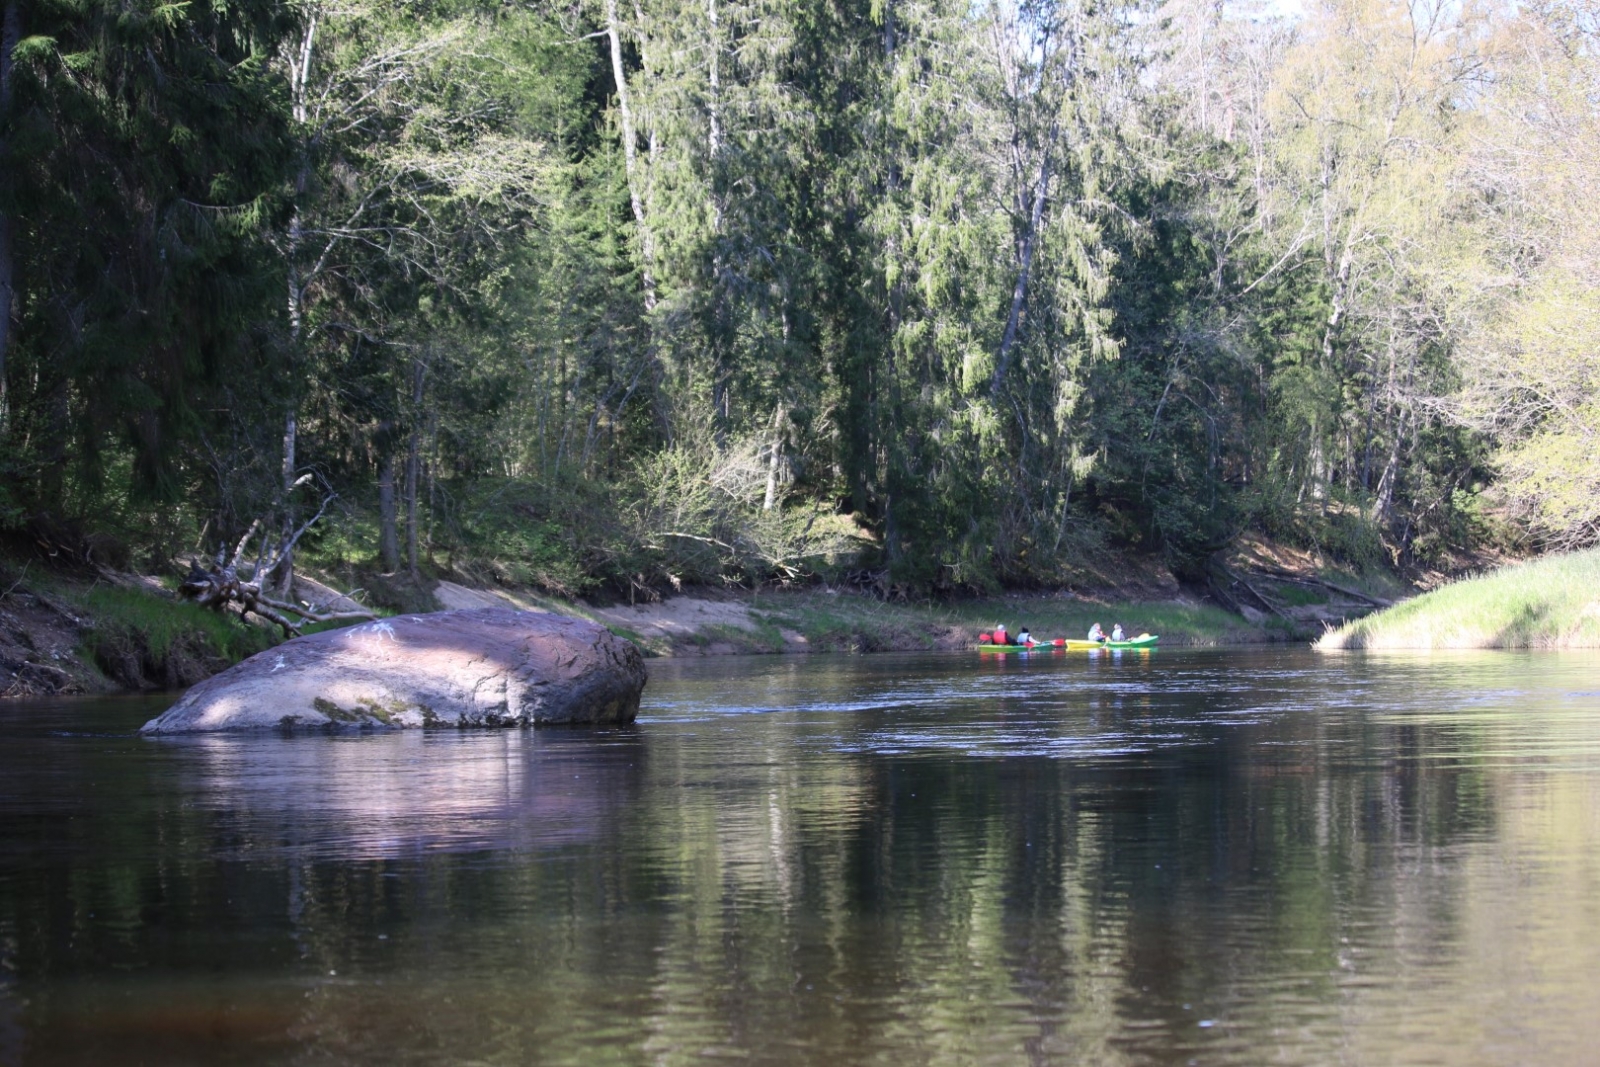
<point x="223" y="584"/>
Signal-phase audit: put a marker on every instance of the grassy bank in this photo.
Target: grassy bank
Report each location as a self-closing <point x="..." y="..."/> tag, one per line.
<point x="61" y="636"/>
<point x="1547" y="603"/>
<point x="143" y="641"/>
<point x="66" y="633"/>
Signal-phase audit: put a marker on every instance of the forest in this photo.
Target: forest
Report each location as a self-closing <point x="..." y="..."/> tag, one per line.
<point x="623" y="295"/>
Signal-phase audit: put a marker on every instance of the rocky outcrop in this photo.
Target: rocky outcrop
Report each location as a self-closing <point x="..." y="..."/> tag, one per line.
<point x="489" y="667"/>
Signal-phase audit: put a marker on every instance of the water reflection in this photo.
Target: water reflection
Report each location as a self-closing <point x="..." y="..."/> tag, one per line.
<point x="399" y="795"/>
<point x="1222" y="858"/>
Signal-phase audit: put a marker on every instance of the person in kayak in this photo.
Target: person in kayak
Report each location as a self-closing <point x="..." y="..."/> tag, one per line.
<point x="1024" y="638"/>
<point x="1096" y="634"/>
<point x="1116" y="631"/>
<point x="1000" y="637"/>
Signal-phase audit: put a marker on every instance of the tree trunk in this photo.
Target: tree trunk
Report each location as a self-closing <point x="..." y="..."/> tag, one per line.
<point x="281" y="581"/>
<point x="413" y="462"/>
<point x="721" y="312"/>
<point x="1019" y="294"/>
<point x="1383" y="499"/>
<point x="775" y="461"/>
<point x="55" y="450"/>
<point x="283" y="575"/>
<point x="388" y="532"/>
<point x="630" y="153"/>
<point x="714" y="74"/>
<point x="7" y="287"/>
<point x="10" y="34"/>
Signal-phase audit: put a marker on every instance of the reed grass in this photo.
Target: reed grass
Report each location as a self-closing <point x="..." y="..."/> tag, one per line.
<point x="1552" y="602"/>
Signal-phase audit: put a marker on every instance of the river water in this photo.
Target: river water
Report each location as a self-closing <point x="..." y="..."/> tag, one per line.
<point x="1207" y="857"/>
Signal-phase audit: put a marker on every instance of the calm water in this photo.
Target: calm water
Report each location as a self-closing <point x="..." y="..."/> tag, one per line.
<point x="1258" y="857"/>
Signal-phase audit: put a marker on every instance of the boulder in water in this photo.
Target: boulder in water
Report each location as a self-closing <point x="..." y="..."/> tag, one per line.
<point x="488" y="667"/>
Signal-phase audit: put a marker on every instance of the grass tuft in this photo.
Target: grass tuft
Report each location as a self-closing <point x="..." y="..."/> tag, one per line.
<point x="1547" y="603"/>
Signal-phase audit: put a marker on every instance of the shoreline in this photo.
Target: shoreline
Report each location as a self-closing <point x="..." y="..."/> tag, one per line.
<point x="73" y="639"/>
<point x="79" y="632"/>
<point x="811" y="621"/>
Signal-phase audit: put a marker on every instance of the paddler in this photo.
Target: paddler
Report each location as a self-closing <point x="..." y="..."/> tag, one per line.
<point x="1096" y="634"/>
<point x="1000" y="634"/>
<point x="1116" y="631"/>
<point x="1024" y="638"/>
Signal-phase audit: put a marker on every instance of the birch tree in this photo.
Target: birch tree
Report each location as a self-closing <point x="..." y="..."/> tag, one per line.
<point x="1522" y="258"/>
<point x="1364" y="111"/>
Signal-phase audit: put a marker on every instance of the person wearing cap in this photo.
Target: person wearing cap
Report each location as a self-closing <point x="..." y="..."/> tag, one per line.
<point x="1000" y="637"/>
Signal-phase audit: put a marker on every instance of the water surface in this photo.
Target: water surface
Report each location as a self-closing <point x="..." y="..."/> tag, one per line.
<point x="1236" y="857"/>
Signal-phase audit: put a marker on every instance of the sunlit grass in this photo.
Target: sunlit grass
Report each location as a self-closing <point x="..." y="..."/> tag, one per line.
<point x="1548" y="603"/>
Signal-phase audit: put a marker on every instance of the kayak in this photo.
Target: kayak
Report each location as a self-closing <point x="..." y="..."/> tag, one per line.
<point x="1070" y="645"/>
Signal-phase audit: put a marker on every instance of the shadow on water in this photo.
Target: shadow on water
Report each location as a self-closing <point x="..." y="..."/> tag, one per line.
<point x="1093" y="859"/>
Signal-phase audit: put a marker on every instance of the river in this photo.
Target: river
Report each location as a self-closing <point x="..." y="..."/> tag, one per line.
<point x="1233" y="857"/>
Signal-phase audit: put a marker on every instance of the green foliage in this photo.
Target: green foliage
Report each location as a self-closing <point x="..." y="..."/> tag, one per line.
<point x="689" y="514"/>
<point x="967" y="296"/>
<point x="512" y="528"/>
<point x="160" y="623"/>
<point x="1348" y="536"/>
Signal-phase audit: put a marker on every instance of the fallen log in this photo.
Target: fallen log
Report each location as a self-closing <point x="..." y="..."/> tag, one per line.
<point x="225" y="583"/>
<point x="1253" y="591"/>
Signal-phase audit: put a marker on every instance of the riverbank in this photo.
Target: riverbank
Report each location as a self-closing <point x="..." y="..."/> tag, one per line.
<point x="1547" y="603"/>
<point x="827" y="620"/>
<point x="64" y="632"/>
<point x="59" y="636"/>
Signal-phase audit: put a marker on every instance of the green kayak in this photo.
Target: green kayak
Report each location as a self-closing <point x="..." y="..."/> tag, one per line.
<point x="1062" y="644"/>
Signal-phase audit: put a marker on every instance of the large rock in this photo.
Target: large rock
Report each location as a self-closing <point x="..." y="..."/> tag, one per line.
<point x="489" y="667"/>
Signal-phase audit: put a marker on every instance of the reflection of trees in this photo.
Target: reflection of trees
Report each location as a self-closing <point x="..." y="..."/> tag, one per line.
<point x="757" y="887"/>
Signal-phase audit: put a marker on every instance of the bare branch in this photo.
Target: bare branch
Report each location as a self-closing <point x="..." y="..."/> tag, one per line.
<point x="238" y="551"/>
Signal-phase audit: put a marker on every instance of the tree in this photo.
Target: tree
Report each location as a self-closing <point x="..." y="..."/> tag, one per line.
<point x="1364" y="109"/>
<point x="1522" y="257"/>
<point x="144" y="153"/>
<point x="410" y="171"/>
<point x="10" y="37"/>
